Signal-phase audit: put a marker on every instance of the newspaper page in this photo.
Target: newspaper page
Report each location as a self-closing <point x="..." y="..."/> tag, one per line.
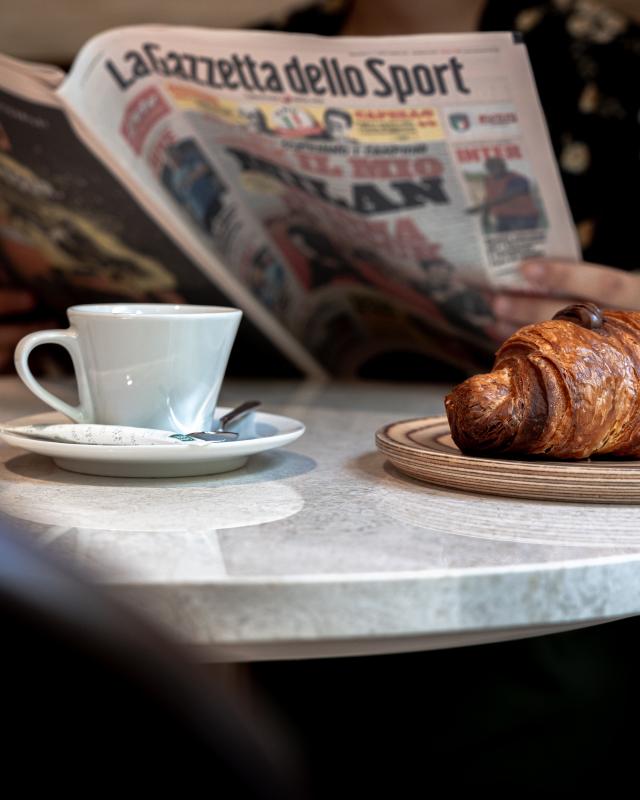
<point x="361" y="194"/>
<point x="70" y="232"/>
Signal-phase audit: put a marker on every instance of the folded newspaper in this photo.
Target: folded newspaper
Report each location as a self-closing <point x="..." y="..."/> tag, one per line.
<point x="355" y="197"/>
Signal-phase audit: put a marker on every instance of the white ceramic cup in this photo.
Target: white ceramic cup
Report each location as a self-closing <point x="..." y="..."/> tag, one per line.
<point x="147" y="365"/>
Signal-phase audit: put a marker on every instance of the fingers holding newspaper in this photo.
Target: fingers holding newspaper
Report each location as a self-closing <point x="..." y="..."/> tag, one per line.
<point x="551" y="284"/>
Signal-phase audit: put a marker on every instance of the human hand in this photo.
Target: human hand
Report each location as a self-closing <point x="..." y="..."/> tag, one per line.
<point x="551" y="284"/>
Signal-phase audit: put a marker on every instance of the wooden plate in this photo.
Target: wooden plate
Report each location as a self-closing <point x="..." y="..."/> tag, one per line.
<point x="423" y="449"/>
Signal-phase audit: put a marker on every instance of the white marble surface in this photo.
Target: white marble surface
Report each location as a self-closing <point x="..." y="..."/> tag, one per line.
<point x="323" y="549"/>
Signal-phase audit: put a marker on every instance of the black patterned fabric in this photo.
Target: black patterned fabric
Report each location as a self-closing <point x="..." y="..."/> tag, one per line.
<point x="586" y="61"/>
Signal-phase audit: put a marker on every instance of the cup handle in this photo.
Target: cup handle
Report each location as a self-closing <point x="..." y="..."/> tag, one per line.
<point x="69" y="340"/>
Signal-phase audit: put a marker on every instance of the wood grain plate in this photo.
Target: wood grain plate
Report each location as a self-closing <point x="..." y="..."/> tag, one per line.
<point x="423" y="449"/>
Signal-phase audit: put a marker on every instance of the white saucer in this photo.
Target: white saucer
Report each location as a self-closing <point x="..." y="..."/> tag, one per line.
<point x="158" y="461"/>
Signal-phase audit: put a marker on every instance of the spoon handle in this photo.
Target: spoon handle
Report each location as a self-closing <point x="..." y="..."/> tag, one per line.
<point x="237" y="412"/>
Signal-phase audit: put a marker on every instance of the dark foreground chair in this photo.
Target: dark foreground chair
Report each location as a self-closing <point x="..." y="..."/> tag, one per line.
<point x="95" y="700"/>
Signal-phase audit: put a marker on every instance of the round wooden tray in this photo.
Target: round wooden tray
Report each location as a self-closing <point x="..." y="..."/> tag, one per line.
<point x="423" y="449"/>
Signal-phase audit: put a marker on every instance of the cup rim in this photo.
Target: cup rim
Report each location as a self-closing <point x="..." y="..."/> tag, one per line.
<point x="164" y="311"/>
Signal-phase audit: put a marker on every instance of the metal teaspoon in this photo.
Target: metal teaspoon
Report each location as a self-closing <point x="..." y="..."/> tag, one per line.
<point x="220" y="434"/>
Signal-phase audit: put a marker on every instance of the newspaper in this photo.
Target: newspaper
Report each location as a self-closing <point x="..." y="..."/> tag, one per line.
<point x="356" y="197"/>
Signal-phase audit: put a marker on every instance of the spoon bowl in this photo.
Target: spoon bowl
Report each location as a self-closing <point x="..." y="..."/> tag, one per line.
<point x="220" y="434"/>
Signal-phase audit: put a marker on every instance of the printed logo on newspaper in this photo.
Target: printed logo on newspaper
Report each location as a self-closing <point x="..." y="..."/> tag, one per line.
<point x="459" y="122"/>
<point x="488" y="122"/>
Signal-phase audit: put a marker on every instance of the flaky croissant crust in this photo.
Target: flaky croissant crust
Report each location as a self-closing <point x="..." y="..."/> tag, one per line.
<point x="556" y="389"/>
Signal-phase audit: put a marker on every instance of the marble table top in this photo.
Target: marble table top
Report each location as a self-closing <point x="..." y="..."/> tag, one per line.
<point x="322" y="548"/>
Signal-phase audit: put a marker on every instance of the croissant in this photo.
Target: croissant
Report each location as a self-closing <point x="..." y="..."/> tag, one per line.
<point x="568" y="388"/>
